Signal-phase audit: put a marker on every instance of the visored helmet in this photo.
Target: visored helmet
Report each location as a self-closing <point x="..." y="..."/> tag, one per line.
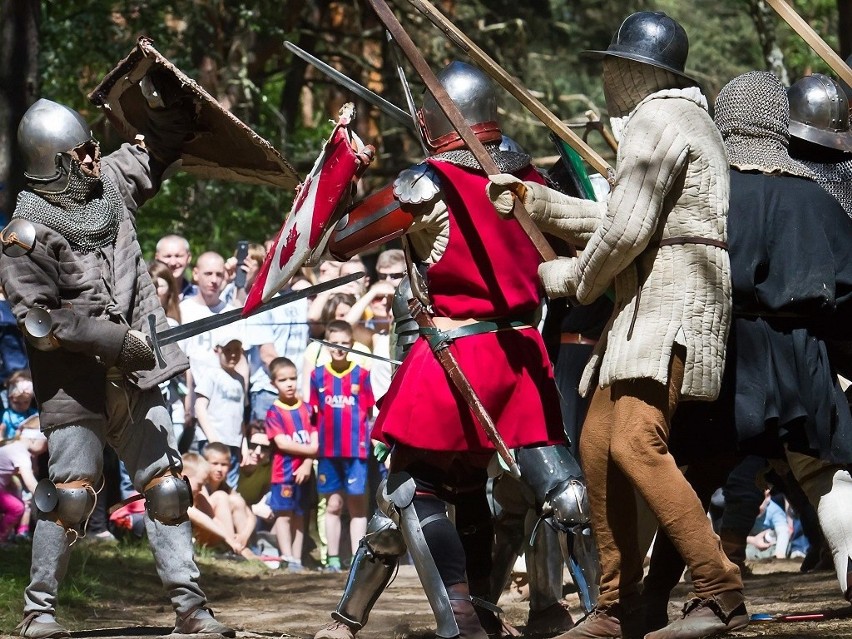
<point x="46" y="134"/>
<point x="474" y="95"/>
<point x="819" y="112"/>
<point x="650" y="37"/>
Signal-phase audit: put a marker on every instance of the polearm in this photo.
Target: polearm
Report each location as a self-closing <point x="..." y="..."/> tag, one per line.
<point x="521" y="93"/>
<point x="812" y="38"/>
<point x="191" y="329"/>
<point x="410" y="50"/>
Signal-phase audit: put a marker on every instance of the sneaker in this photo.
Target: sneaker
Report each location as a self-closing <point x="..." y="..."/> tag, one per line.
<point x="201" y="622"/>
<point x="41" y="625"/>
<point x="335" y="630"/>
<point x="332" y="569"/>
<point x="295" y="566"/>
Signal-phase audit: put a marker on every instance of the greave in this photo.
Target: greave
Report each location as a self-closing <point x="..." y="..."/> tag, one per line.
<point x="581" y="557"/>
<point x="51" y="551"/>
<point x="544" y="567"/>
<point x="172" y="549"/>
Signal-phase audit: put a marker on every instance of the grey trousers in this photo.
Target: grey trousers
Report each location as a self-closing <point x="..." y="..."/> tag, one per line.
<point x="138" y="426"/>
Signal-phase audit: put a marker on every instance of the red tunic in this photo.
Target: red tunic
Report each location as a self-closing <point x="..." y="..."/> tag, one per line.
<point x="488" y="270"/>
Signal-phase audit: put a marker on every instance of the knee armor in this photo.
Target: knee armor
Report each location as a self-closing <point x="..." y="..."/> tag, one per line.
<point x="557" y="483"/>
<point x="167" y="499"/>
<point x="69" y="504"/>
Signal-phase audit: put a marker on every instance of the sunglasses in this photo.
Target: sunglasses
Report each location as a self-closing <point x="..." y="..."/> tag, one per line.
<point x="390" y="276"/>
<point x="261" y="449"/>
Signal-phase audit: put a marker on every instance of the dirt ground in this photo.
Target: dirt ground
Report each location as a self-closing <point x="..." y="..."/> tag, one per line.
<point x="266" y="603"/>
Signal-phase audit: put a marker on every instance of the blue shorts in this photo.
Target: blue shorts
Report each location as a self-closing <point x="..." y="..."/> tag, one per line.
<point x="287" y="497"/>
<point x="346" y="475"/>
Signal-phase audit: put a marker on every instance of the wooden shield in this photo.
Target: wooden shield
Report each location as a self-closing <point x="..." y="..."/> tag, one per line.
<point x="223" y="147"/>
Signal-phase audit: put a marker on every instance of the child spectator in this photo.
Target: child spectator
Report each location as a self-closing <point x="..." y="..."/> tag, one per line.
<point x="220" y="402"/>
<point x="295" y="443"/>
<point x="21" y="405"/>
<point x="255" y="467"/>
<point x="343" y="397"/>
<point x="230" y="507"/>
<point x="211" y="515"/>
<point x="16" y="460"/>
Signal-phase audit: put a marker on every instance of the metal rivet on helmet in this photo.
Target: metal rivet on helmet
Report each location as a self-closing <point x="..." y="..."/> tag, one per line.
<point x="819" y="112"/>
<point x="650" y="37"/>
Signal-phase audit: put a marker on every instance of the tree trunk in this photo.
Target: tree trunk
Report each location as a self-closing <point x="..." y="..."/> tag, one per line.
<point x="19" y="88"/>
<point x="764" y="21"/>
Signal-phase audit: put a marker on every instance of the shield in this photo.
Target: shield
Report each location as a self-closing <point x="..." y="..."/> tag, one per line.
<point x="222" y="147"/>
<point x="319" y="205"/>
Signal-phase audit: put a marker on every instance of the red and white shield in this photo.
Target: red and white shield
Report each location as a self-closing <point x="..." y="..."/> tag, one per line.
<point x="320" y="202"/>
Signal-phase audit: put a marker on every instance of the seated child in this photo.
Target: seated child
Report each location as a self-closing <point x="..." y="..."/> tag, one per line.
<point x="230" y="507"/>
<point x="295" y="442"/>
<point x="16" y="462"/>
<point x="21" y="404"/>
<point x="210" y="525"/>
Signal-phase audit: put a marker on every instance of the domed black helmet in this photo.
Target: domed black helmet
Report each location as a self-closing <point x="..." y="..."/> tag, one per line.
<point x="650" y="37"/>
<point x="819" y="112"/>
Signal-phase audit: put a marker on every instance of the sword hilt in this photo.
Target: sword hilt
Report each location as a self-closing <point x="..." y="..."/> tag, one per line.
<point x="155" y="342"/>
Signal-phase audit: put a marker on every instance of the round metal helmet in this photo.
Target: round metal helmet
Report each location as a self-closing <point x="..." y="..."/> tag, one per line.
<point x="819" y="112"/>
<point x="650" y="37"/>
<point x="47" y="130"/>
<point x="474" y="95"/>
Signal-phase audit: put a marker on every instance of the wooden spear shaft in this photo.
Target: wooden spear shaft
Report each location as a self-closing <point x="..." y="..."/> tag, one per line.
<point x="406" y="44"/>
<point x="812" y="38"/>
<point x="521" y="93"/>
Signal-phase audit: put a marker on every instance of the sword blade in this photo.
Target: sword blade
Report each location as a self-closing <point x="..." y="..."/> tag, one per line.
<point x="197" y="327"/>
<point x="388" y="108"/>
<point x="356" y="351"/>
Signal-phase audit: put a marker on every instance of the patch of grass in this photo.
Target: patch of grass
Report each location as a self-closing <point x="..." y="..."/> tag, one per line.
<point x="100" y="576"/>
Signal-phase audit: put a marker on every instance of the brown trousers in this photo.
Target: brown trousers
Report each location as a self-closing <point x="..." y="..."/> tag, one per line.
<point x="623" y="447"/>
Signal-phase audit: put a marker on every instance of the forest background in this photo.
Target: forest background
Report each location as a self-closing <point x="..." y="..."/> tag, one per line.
<point x="61" y="49"/>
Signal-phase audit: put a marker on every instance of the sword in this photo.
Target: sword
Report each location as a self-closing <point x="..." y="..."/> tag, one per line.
<point x="406" y="88"/>
<point x="191" y="329"/>
<point x="356" y="351"/>
<point x="388" y="108"/>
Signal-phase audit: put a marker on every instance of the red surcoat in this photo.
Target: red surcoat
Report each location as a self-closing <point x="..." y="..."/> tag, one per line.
<point x="489" y="270"/>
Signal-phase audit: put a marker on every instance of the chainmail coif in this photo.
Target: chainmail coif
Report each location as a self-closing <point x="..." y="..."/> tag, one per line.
<point x="506" y="161"/>
<point x="753" y="115"/>
<point x="86" y="213"/>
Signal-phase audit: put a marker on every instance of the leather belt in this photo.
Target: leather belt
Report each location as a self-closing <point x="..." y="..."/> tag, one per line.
<point x="576" y="338"/>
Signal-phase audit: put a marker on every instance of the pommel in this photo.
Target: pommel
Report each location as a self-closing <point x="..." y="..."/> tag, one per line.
<point x="18" y="237"/>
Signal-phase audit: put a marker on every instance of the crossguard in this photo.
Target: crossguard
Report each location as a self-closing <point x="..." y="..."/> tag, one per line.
<point x="155" y="343"/>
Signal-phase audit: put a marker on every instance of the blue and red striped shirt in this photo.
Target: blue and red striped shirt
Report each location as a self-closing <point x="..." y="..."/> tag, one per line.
<point x="343" y="400"/>
<point x="295" y="423"/>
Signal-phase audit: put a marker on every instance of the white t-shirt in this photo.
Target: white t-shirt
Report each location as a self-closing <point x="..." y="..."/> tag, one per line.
<point x="199" y="348"/>
<point x="13" y="457"/>
<point x="226" y="395"/>
<point x="286" y="328"/>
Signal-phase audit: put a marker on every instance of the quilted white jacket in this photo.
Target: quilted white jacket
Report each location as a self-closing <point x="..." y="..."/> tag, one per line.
<point x="671" y="181"/>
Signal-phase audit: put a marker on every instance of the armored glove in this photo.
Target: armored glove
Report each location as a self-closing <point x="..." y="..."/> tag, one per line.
<point x="501" y="189"/>
<point x="136" y="353"/>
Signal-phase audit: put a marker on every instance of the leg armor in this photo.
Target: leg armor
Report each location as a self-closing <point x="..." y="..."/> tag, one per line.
<point x="372" y="568"/>
<point x="557" y="482"/>
<point x="167" y="499"/>
<point x="68" y="504"/>
<point x="395" y="499"/>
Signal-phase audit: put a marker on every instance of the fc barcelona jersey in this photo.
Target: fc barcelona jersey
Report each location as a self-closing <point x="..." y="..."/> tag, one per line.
<point x="295" y="423"/>
<point x="343" y="401"/>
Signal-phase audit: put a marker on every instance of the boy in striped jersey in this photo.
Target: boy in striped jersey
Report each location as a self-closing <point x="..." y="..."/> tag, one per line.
<point x="293" y="436"/>
<point x="342" y="394"/>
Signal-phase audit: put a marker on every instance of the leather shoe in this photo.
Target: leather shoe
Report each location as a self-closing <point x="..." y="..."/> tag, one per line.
<point x="335" y="630"/>
<point x="703" y="618"/>
<point x="601" y="623"/>
<point x="39" y="625"/>
<point x="549" y="621"/>
<point x="201" y="622"/>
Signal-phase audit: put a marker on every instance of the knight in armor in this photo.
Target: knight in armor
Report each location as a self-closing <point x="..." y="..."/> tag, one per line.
<point x="74" y="273"/>
<point x="659" y="241"/>
<point x="819" y="134"/>
<point x="458" y="250"/>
